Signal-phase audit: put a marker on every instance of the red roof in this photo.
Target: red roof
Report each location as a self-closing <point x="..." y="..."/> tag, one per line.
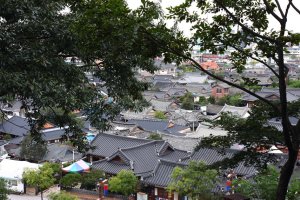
<point x="210" y="65"/>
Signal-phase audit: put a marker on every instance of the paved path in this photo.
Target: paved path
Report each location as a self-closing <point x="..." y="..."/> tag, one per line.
<point x="31" y="197"/>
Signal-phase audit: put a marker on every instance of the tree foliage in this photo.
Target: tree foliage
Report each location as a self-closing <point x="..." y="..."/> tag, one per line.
<point x="41" y="178"/>
<point x="125" y="182"/>
<point x="70" y="180"/>
<point x="159" y="114"/>
<point x="294" y="83"/>
<point x="32" y="150"/>
<point x="155" y="136"/>
<point x="89" y="180"/>
<point x="3" y="190"/>
<point x="244" y="27"/>
<point x="187" y="101"/>
<point x="264" y="185"/>
<point x="196" y="180"/>
<point x="109" y="39"/>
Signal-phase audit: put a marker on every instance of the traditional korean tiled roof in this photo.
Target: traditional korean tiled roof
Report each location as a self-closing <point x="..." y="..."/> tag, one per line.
<point x="17" y="126"/>
<point x="276" y="122"/>
<point x="142" y="159"/>
<point x="237" y="111"/>
<point x="106" y="144"/>
<point x="161" y="65"/>
<point x="137" y="115"/>
<point x="160" y="105"/>
<point x="110" y="167"/>
<point x="163" y="85"/>
<point x="193" y="77"/>
<point x="213" y="109"/>
<point x="159" y="126"/>
<point x="292" y="95"/>
<point x="61" y="152"/>
<point x="161" y="175"/>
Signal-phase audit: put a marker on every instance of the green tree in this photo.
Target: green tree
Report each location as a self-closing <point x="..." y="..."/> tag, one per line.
<point x="244" y="27"/>
<point x="41" y="178"/>
<point x="294" y="84"/>
<point x="155" y="136"/>
<point x="159" y="114"/>
<point x="37" y="40"/>
<point x="125" y="182"/>
<point x="196" y="180"/>
<point x="32" y="150"/>
<point x="70" y="180"/>
<point x="264" y="186"/>
<point x="61" y="196"/>
<point x="89" y="180"/>
<point x="187" y="101"/>
<point x="203" y="101"/>
<point x="3" y="190"/>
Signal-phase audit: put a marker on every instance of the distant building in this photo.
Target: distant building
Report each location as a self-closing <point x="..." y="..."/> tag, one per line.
<point x="220" y="90"/>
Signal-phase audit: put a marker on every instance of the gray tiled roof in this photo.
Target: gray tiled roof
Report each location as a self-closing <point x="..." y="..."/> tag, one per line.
<point x="107" y="144"/>
<point x="61" y="152"/>
<point x="161" y="176"/>
<point x="54" y="134"/>
<point x="162" y="65"/>
<point x="110" y="167"/>
<point x="160" y="105"/>
<point x="291" y="95"/>
<point x="163" y="85"/>
<point x="158" y="126"/>
<point x="16" y="125"/>
<point x="209" y="156"/>
<point x="234" y="110"/>
<point x="142" y="159"/>
<point x="213" y="109"/>
<point x="16" y="140"/>
<point x="276" y="122"/>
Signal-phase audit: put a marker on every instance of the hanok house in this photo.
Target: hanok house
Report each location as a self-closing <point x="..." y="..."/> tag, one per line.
<point x="153" y="161"/>
<point x="271" y="95"/>
<point x="220" y="90"/>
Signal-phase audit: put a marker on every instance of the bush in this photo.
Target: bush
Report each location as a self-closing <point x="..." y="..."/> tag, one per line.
<point x="155" y="136"/>
<point x="125" y="182"/>
<point x="70" y="180"/>
<point x="61" y="196"/>
<point x="3" y="189"/>
<point x="159" y="115"/>
<point x="89" y="180"/>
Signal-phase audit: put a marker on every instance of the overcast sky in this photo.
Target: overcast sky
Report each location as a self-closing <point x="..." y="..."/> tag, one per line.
<point x="292" y="24"/>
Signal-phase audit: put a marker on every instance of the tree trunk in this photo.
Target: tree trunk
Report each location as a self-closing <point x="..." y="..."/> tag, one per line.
<point x="41" y="194"/>
<point x="285" y="175"/>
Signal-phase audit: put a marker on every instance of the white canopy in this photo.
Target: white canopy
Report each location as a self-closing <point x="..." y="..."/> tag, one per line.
<point x="13" y="169"/>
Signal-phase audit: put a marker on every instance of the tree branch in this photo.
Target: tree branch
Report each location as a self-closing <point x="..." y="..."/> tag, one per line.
<point x="287" y="9"/>
<point x="198" y="66"/>
<point x="279" y="8"/>
<point x="257" y="59"/>
<point x="269" y="9"/>
<point x="244" y="27"/>
<point x="295" y="8"/>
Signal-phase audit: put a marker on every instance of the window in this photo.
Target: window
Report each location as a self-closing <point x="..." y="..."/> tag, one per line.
<point x="219" y="90"/>
<point x="226" y="90"/>
<point x="12" y="183"/>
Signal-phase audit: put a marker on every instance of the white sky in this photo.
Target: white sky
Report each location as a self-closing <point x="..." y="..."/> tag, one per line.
<point x="292" y="24"/>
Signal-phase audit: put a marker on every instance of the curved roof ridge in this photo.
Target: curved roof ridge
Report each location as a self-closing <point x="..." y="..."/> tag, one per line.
<point x="142" y="145"/>
<point x="121" y="136"/>
<point x="121" y="154"/>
